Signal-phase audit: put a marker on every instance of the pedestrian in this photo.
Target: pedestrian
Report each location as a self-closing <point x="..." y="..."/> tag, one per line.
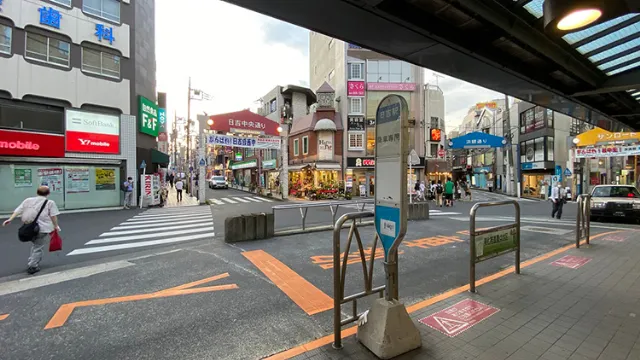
<point x="439" y="192"/>
<point x="45" y="212"/>
<point x="422" y="191"/>
<point x="171" y="179"/>
<point x="557" y="198"/>
<point x="432" y="190"/>
<point x="467" y="190"/>
<point x="179" y="186"/>
<point x="127" y="187"/>
<point x="448" y="192"/>
<point x="416" y="189"/>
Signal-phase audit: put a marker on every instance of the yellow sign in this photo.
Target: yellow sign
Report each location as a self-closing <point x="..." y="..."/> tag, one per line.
<point x="601" y="136"/>
<point x="105" y="179"/>
<point x="490" y="105"/>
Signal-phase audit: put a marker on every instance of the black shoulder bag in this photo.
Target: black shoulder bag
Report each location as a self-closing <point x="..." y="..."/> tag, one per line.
<point x="28" y="232"/>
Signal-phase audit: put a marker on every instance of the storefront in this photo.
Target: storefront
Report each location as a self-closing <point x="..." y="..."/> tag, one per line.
<point x="245" y="172"/>
<point x="438" y="170"/>
<point x="536" y="177"/>
<point x="305" y="178"/>
<point x="270" y="175"/>
<point x="360" y="175"/>
<point x="481" y="177"/>
<point x="83" y="168"/>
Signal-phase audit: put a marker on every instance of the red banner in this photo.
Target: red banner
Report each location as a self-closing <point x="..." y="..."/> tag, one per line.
<point x="92" y="143"/>
<point x="244" y="122"/>
<point x="24" y="143"/>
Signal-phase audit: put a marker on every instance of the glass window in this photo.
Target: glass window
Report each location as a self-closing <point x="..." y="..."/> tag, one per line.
<point x="356" y="140"/>
<point x="371" y="140"/>
<point x="100" y="63"/>
<point x="523" y="151"/>
<point x="62" y="2"/>
<point x="383" y="67"/>
<point x="53" y="51"/>
<point x="355" y="105"/>
<point x="550" y="118"/>
<point x="296" y="146"/>
<point x="395" y="67"/>
<point x="305" y="145"/>
<point x="355" y="71"/>
<point x="539" y="149"/>
<point x="539" y="118"/>
<point x="5" y="39"/>
<point x="107" y="9"/>
<point x="550" y="148"/>
<point x="407" y="75"/>
<point x="434" y="150"/>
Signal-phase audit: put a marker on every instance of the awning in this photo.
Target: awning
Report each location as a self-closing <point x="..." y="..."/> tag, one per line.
<point x="158" y="157"/>
<point x="329" y="166"/>
<point x="297" y="167"/>
<point x="249" y="164"/>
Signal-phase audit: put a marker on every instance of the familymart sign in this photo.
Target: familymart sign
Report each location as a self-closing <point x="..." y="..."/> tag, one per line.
<point x="148" y="117"/>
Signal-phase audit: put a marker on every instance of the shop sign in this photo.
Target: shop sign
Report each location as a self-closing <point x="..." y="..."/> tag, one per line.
<point x="371" y="122"/>
<point x="366" y="162"/>
<point x="88" y="132"/>
<point x="51" y="177"/>
<point x="271" y="142"/>
<point x="245" y="165"/>
<point x="598" y="135"/>
<point x="148" y="122"/>
<point x="151" y="188"/>
<point x="269" y="164"/>
<point x="104" y="32"/>
<point x="533" y="165"/>
<point x="355" y="123"/>
<point x="477" y="140"/>
<point x="376" y="86"/>
<point x="24" y="143"/>
<point x="490" y="105"/>
<point x="162" y="120"/>
<point x="238" y="157"/>
<point x="607" y="151"/>
<point x="355" y="88"/>
<point x="50" y="17"/>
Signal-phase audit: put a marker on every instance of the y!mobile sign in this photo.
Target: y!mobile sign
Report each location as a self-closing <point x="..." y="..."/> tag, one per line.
<point x="24" y="143"/>
<point x="88" y="132"/>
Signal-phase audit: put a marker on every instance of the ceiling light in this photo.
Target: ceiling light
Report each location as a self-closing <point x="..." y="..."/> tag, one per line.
<point x="565" y="15"/>
<point x="578" y="19"/>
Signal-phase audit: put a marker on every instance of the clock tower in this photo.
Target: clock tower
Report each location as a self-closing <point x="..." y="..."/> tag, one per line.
<point x="326" y="97"/>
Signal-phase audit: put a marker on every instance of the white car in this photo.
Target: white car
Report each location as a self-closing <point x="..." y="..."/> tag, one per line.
<point x="218" y="182"/>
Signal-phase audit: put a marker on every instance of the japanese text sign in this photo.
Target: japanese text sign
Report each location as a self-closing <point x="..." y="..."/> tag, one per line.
<point x="148" y="122"/>
<point x="104" y="33"/>
<point x="355" y="88"/>
<point x="50" y="17"/>
<point x="236" y="141"/>
<point x="607" y="151"/>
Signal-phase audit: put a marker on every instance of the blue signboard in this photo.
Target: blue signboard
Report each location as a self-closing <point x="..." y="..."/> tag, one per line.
<point x="162" y="119"/>
<point x="477" y="140"/>
<point x="143" y="164"/>
<point x="201" y="163"/>
<point x="559" y="172"/>
<point x="106" y="33"/>
<point x="50" y="17"/>
<point x="567" y="172"/>
<point x="387" y="225"/>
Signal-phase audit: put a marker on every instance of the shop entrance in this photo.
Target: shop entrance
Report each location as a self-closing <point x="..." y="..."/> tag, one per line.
<point x="365" y="184"/>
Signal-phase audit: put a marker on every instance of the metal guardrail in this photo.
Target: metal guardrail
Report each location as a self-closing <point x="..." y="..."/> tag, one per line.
<point x="333" y="206"/>
<point x="583" y="219"/>
<point x="340" y="273"/>
<point x="497" y="240"/>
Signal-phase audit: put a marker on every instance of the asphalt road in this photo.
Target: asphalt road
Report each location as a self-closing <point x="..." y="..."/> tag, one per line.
<point x="241" y="313"/>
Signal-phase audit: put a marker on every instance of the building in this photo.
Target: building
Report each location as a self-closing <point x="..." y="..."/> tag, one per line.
<point x="361" y="79"/>
<point x="438" y="167"/>
<point x="77" y="98"/>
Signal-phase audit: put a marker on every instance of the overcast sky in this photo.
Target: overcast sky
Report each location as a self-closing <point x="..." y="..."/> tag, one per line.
<point x="237" y="56"/>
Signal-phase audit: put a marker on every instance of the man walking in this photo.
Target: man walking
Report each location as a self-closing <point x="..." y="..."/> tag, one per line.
<point x="557" y="197"/>
<point x="128" y="192"/>
<point x="439" y="191"/>
<point x="179" y="185"/>
<point x="171" y="179"/>
<point x="47" y="222"/>
<point x="448" y="192"/>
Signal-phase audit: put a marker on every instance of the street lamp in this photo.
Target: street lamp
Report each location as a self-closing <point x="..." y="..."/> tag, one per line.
<point x="279" y="129"/>
<point x="210" y="122"/>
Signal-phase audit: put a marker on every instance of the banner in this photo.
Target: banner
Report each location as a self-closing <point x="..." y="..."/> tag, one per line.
<point x="105" y="179"/>
<point x="51" y="177"/>
<point x="77" y="180"/>
<point x="22" y="178"/>
<point x="258" y="143"/>
<point x="607" y="151"/>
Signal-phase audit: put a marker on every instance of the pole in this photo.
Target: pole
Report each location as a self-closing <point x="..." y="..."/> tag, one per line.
<point x="412" y="185"/>
<point x="189" y="128"/>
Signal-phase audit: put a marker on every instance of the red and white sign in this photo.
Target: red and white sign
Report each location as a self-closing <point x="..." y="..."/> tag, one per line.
<point x="459" y="317"/>
<point x="376" y="86"/>
<point x="607" y="151"/>
<point x="441" y="153"/>
<point x="572" y="262"/>
<point x="24" y="143"/>
<point x="355" y="88"/>
<point x="244" y="122"/>
<point x="92" y="133"/>
<point x="147" y="184"/>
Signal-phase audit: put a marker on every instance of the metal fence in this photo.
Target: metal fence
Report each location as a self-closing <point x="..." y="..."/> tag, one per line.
<point x="488" y="243"/>
<point x="340" y="273"/>
<point x="583" y="219"/>
<point x="332" y="205"/>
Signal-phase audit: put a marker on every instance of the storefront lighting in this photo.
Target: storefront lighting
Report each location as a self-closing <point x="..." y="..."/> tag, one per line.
<point x="576" y="141"/>
<point x="210" y="122"/>
<point x="279" y="129"/>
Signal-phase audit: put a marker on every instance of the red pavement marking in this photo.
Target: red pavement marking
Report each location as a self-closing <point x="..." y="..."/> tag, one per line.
<point x="3" y="316"/>
<point x="572" y="262"/>
<point x="459" y="317"/>
<point x="616" y="238"/>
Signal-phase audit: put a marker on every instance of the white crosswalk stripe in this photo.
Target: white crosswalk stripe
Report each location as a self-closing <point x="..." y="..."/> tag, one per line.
<point x="239" y="200"/>
<point x="254" y="199"/>
<point x="154" y="227"/>
<point x="229" y="201"/>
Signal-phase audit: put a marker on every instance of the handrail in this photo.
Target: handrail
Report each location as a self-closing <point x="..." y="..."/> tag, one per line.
<point x="473" y="233"/>
<point x="583" y="219"/>
<point x="333" y="206"/>
<point x="340" y="273"/>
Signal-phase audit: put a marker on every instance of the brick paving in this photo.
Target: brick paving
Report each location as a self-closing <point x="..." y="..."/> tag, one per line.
<point x="548" y="312"/>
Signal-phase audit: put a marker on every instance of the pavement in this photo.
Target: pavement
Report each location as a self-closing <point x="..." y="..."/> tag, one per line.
<point x="205" y="299"/>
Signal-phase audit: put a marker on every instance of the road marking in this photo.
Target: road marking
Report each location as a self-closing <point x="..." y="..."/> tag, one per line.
<point x="139" y="231"/>
<point x="443" y="213"/>
<point x="62" y="315"/>
<point x="241" y="199"/>
<point x="148" y="236"/>
<point x="229" y="201"/>
<point x="254" y="199"/>
<point x="34" y="282"/>
<point x="326" y="340"/>
<point x="146" y="221"/>
<point x="308" y="297"/>
<point x="262" y="199"/>
<point x="173" y="210"/>
<point x="127" y="226"/>
<point x="139" y="244"/>
<point x="3" y="316"/>
<point x="546" y="230"/>
<point x="218" y="202"/>
<point x="154" y="217"/>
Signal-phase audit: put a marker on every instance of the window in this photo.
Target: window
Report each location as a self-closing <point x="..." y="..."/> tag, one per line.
<point x="550" y="118"/>
<point x="356" y="71"/>
<point x="539" y="149"/>
<point x="356" y="140"/>
<point x="434" y="150"/>
<point x="434" y="123"/>
<point x="43" y="48"/>
<point x="62" y="2"/>
<point x="355" y="105"/>
<point x="535" y="118"/>
<point x="371" y="140"/>
<point x="296" y="147"/>
<point x="101" y="63"/>
<point x="550" y="148"/>
<point x="106" y="9"/>
<point x="389" y="71"/>
<point x="331" y="74"/>
<point x="305" y="145"/>
<point x="5" y="39"/>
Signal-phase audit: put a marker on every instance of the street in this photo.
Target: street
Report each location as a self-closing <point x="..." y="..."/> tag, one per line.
<point x="174" y="290"/>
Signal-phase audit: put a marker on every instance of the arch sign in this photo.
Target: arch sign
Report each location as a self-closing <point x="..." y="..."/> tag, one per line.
<point x="600" y="136"/>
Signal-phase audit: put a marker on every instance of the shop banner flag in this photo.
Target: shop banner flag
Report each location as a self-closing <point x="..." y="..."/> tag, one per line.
<point x="271" y="142"/>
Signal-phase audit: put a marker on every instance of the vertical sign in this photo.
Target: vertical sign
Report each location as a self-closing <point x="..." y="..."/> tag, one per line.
<point x="148" y="121"/>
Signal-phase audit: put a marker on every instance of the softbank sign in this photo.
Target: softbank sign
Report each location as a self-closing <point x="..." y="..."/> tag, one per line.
<point x="24" y="143"/>
<point x="92" y="133"/>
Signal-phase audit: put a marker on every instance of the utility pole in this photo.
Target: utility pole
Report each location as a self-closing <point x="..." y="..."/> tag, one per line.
<point x="174" y="137"/>
<point x="189" y="128"/>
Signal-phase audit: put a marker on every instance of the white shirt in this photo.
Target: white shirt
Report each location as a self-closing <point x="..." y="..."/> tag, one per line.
<point x="555" y="193"/>
<point x="29" y="210"/>
<point x="179" y="185"/>
<point x="422" y="187"/>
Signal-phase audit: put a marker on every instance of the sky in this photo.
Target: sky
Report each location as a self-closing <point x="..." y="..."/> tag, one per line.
<point x="237" y="56"/>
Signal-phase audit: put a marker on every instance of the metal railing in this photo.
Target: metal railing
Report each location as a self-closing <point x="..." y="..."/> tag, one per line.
<point x="583" y="219"/>
<point x="340" y="273"/>
<point x="333" y="206"/>
<point x="494" y="241"/>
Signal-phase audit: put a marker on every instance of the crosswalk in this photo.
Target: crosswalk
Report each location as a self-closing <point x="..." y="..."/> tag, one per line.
<point x="154" y="227"/>
<point x="370" y="207"/>
<point x="238" y="200"/>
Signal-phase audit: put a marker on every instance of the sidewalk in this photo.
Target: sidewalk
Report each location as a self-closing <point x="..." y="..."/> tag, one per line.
<point x="276" y="196"/>
<point x="586" y="306"/>
<point x="187" y="200"/>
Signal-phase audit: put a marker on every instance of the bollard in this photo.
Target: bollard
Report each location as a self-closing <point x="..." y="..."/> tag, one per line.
<point x="270" y="225"/>
<point x="233" y="229"/>
<point x="261" y="225"/>
<point x="249" y="227"/>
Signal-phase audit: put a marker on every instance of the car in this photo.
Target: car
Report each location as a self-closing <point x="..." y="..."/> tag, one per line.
<point x="615" y="201"/>
<point x="218" y="182"/>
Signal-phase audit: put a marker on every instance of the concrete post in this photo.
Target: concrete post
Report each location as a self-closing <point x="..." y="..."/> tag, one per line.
<point x="202" y="182"/>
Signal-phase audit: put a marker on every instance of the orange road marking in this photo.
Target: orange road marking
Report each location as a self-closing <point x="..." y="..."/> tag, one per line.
<point x="308" y="297"/>
<point x="326" y="340"/>
<point x="62" y="315"/>
<point x="3" y="316"/>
